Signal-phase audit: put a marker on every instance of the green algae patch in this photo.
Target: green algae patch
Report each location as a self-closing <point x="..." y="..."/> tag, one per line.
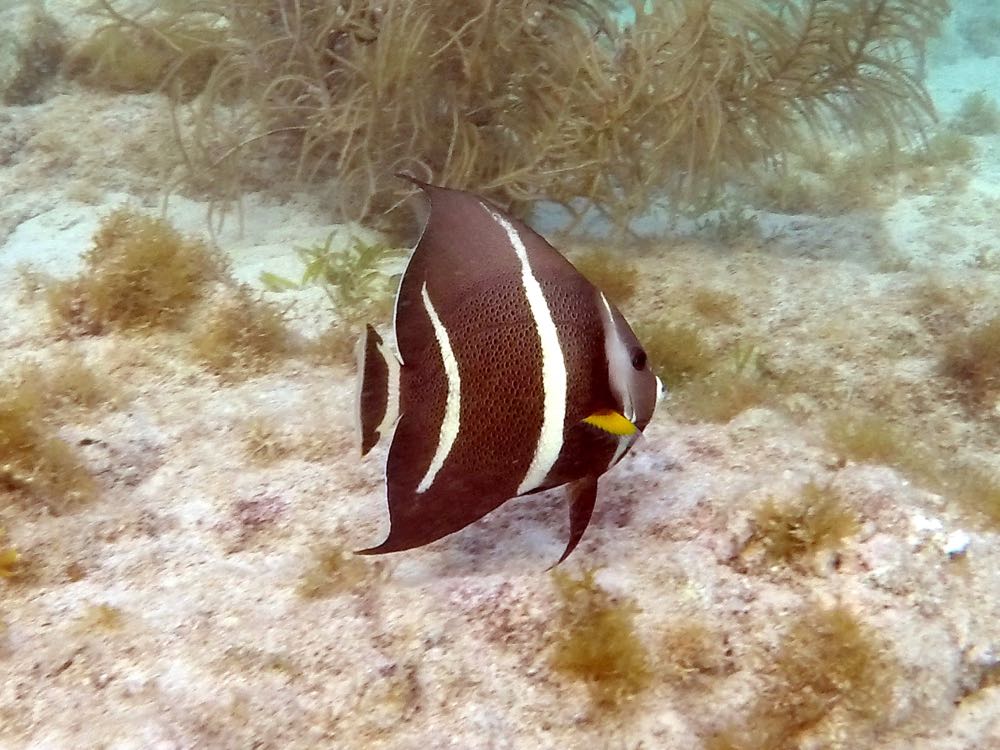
<point x="830" y="680"/>
<point x="241" y="334"/>
<point x="978" y="115"/>
<point x="10" y="559"/>
<point x="597" y="642"/>
<point x="179" y="46"/>
<point x="140" y="274"/>
<point x="677" y="352"/>
<point x="972" y="360"/>
<point x="793" y="531"/>
<point x="36" y="465"/>
<point x="613" y="274"/>
<point x="334" y="570"/>
<point x="976" y="489"/>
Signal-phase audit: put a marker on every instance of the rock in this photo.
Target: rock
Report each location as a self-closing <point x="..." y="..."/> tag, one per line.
<point x="31" y="51"/>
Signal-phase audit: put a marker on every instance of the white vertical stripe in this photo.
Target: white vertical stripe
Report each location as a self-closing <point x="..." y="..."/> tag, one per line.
<point x="360" y="348"/>
<point x="619" y="361"/>
<point x="392" y="385"/>
<point x="554" y="384"/>
<point x="453" y="404"/>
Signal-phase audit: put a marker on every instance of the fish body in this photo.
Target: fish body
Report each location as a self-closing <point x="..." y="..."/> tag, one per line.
<point x="511" y="374"/>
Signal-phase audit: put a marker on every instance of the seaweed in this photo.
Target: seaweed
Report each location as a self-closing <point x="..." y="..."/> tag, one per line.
<point x="611" y="273"/>
<point x="40" y="48"/>
<point x="140" y="274"/>
<point x="730" y="223"/>
<point x="946" y="147"/>
<point x="10" y="559"/>
<point x="67" y="382"/>
<point x="693" y="652"/>
<point x="870" y="438"/>
<point x="179" y="45"/>
<point x="792" y="532"/>
<point x="357" y="280"/>
<point x="597" y="642"/>
<point x="265" y="443"/>
<point x="334" y="570"/>
<point x="976" y="489"/>
<point x="978" y="115"/>
<point x="830" y="677"/>
<point x="240" y="335"/>
<point x="734" y="384"/>
<point x="972" y="360"/>
<point x="715" y="305"/>
<point x="354" y="279"/>
<point x="677" y="352"/>
<point x="101" y="617"/>
<point x="35" y="463"/>
<point x="588" y="113"/>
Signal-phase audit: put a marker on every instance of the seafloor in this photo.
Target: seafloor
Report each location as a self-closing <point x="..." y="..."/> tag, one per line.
<point x="180" y="607"/>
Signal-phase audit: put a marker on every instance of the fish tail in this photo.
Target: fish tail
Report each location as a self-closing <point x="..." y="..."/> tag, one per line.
<point x="377" y="395"/>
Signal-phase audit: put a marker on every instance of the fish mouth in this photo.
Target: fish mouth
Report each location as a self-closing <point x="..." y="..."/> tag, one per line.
<point x="661" y="392"/>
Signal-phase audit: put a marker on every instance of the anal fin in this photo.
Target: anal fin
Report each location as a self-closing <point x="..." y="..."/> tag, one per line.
<point x="582" y="496"/>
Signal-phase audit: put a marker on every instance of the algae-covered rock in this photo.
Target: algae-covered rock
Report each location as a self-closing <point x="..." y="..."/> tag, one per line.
<point x="31" y="51"/>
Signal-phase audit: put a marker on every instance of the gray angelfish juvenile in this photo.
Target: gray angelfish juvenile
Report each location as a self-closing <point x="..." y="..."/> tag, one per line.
<point x="512" y="374"/>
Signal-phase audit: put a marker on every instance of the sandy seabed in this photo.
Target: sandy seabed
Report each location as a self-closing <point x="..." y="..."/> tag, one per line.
<point x="169" y="612"/>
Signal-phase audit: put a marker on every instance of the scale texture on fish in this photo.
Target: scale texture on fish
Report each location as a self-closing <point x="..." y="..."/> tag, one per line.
<point x="511" y="374"/>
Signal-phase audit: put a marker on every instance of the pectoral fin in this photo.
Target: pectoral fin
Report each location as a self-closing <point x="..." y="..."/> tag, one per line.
<point x="582" y="495"/>
<point x="611" y="421"/>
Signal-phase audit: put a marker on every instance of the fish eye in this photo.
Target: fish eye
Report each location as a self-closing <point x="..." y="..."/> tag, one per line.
<point x="639" y="359"/>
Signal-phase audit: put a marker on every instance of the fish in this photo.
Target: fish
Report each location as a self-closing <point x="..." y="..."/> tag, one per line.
<point x="508" y="374"/>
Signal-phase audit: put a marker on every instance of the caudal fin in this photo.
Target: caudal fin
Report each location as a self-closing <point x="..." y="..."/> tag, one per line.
<point x="377" y="394"/>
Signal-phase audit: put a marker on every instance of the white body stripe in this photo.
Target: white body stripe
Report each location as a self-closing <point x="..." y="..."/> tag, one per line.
<point x="453" y="403"/>
<point x="392" y="398"/>
<point x="550" y="438"/>
<point x="619" y="361"/>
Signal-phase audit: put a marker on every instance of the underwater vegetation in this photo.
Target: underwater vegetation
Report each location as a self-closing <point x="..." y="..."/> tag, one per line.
<point x="145" y="52"/>
<point x="334" y="569"/>
<point x="265" y="443"/>
<point x="36" y="465"/>
<point x="829" y="677"/>
<point x="706" y="385"/>
<point x="585" y="113"/>
<point x="693" y="652"/>
<point x="357" y="281"/>
<point x="977" y="491"/>
<point x="38" y="45"/>
<point x="825" y="180"/>
<point x="790" y="532"/>
<point x="354" y="279"/>
<point x="972" y="360"/>
<point x="735" y="383"/>
<point x="139" y="274"/>
<point x="95" y="618"/>
<point x="610" y="273"/>
<point x="677" y="351"/>
<point x="979" y="115"/>
<point x="68" y="382"/>
<point x="10" y="558"/>
<point x="239" y="333"/>
<point x="870" y="438"/>
<point x="597" y="641"/>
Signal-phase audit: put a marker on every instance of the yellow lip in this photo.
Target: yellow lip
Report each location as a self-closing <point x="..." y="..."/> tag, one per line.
<point x="613" y="422"/>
